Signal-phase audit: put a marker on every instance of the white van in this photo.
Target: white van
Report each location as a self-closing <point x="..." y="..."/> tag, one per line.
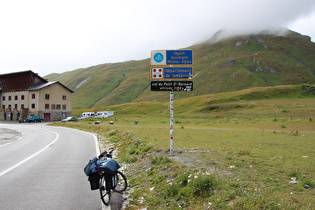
<point x="87" y="114"/>
<point x="104" y="114"/>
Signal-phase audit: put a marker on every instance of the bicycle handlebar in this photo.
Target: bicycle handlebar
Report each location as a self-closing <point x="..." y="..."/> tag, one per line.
<point x="112" y="149"/>
<point x="107" y="154"/>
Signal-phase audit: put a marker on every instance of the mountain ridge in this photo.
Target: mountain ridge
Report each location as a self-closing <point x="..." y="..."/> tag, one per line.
<point x="229" y="64"/>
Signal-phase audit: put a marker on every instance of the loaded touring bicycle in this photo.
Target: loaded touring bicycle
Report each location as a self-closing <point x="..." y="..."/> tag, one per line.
<point x="104" y="176"/>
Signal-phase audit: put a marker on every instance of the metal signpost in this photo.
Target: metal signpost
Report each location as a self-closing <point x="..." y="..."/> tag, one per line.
<point x="171" y="121"/>
<point x="169" y="68"/>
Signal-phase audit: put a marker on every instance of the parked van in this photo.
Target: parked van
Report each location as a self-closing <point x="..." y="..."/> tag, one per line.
<point x="104" y="114"/>
<point x="87" y="114"/>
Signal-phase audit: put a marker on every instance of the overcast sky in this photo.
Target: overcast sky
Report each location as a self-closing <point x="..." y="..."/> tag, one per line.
<point x="54" y="36"/>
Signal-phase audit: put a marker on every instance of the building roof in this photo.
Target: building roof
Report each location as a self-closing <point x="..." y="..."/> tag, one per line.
<point x="20" y="81"/>
<point x="24" y="81"/>
<point x="39" y="87"/>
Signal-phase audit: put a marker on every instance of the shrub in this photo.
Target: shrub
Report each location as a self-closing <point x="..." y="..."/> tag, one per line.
<point x="309" y="183"/>
<point x="244" y="152"/>
<point x="294" y="172"/>
<point x="204" y="185"/>
<point x="160" y="160"/>
<point x="112" y="132"/>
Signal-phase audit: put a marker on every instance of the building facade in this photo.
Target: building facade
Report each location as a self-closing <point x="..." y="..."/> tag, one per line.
<point x="24" y="94"/>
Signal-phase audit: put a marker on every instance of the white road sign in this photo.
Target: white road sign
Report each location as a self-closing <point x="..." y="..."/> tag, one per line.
<point x="158" y="57"/>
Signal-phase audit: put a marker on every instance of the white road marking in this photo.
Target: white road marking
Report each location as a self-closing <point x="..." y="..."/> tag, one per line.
<point x="30" y="157"/>
<point x="97" y="145"/>
<point x="4" y="144"/>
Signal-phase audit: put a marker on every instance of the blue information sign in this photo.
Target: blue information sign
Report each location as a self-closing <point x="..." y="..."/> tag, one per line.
<point x="178" y="73"/>
<point x="179" y="57"/>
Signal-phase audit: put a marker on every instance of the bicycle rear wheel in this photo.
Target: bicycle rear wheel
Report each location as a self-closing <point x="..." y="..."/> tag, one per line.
<point x="105" y="190"/>
<point x="121" y="182"/>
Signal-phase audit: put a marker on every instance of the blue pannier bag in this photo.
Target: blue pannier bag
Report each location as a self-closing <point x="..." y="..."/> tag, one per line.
<point x="92" y="167"/>
<point x="109" y="166"/>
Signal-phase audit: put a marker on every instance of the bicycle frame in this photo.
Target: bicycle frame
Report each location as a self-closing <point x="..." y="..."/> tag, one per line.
<point x="110" y="179"/>
<point x="110" y="182"/>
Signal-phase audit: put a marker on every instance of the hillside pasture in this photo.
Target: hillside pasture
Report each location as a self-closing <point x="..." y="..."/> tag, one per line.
<point x="234" y="150"/>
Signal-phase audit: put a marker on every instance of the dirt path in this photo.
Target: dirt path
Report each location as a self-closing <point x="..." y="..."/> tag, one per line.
<point x="207" y="128"/>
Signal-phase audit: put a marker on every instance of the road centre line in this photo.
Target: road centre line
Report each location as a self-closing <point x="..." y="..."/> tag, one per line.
<point x="30" y="157"/>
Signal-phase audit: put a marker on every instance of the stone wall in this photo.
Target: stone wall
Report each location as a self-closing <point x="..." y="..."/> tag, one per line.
<point x="13" y="114"/>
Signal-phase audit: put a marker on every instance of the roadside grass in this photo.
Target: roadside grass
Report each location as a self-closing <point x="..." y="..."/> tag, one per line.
<point x="232" y="169"/>
<point x="238" y="155"/>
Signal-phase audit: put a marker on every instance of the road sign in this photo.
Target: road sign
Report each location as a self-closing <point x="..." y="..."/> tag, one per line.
<point x="157" y="73"/>
<point x="179" y="57"/>
<point x="171" y="57"/>
<point x="171" y="73"/>
<point x="178" y="73"/>
<point x="171" y="85"/>
<point x="171" y="65"/>
<point x="158" y="57"/>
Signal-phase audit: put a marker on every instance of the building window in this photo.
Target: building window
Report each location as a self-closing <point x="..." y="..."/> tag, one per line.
<point x="22" y="97"/>
<point x="33" y="106"/>
<point x="9" y="98"/>
<point x="22" y="106"/>
<point x="58" y="107"/>
<point x="16" y="98"/>
<point x="3" y="98"/>
<point x="33" y="96"/>
<point x="9" y="107"/>
<point x="3" y="106"/>
<point x="64" y="97"/>
<point x="46" y="106"/>
<point x="47" y="96"/>
<point x="15" y="106"/>
<point x="64" y="107"/>
<point x="53" y="107"/>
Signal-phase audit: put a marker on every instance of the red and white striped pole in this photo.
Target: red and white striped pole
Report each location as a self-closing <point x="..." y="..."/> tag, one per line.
<point x="171" y="121"/>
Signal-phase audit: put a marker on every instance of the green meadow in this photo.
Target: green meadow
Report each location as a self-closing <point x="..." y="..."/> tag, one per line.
<point x="233" y="150"/>
<point x="261" y="60"/>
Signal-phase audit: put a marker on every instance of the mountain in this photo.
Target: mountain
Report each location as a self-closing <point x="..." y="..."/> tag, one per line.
<point x="222" y="63"/>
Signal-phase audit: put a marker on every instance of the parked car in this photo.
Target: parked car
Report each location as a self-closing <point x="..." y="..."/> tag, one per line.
<point x="69" y="119"/>
<point x="34" y="119"/>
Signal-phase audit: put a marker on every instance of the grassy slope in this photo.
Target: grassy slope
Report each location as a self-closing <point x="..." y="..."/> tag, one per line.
<point x="207" y="103"/>
<point x="265" y="133"/>
<point x="263" y="60"/>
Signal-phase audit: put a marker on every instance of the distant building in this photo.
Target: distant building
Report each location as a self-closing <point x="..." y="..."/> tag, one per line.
<point x="23" y="94"/>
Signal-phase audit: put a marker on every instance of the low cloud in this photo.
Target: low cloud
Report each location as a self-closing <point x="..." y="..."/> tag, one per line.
<point x="58" y="36"/>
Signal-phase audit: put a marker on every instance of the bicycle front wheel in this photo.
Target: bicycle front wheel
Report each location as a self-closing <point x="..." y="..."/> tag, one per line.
<point x="121" y="182"/>
<point x="105" y="190"/>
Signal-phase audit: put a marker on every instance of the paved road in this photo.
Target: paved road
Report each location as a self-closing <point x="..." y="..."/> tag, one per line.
<point x="41" y="167"/>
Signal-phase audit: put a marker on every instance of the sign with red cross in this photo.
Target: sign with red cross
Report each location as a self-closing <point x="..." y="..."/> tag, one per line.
<point x="157" y="73"/>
